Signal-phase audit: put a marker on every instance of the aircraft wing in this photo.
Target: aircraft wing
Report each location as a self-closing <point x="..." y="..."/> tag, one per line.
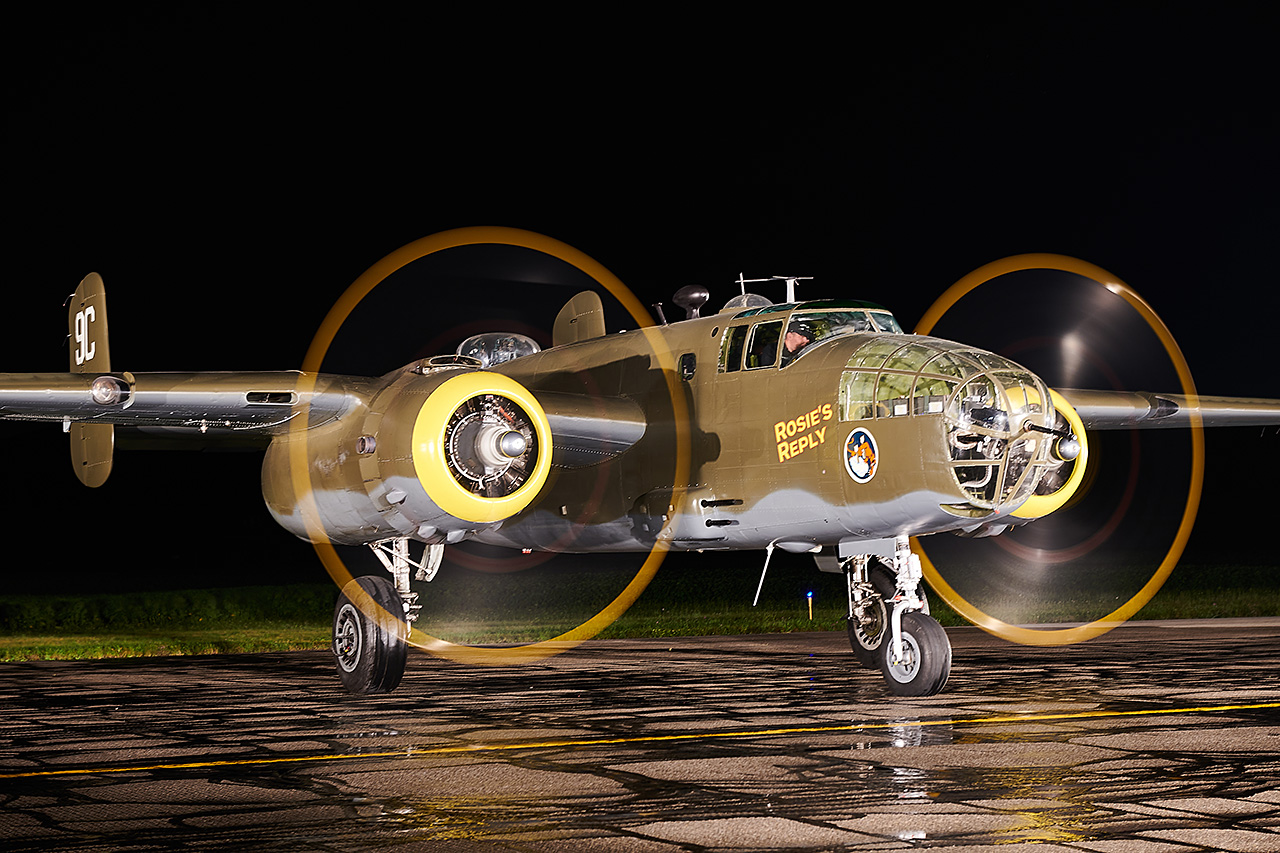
<point x="263" y="403"/>
<point x="1102" y="410"/>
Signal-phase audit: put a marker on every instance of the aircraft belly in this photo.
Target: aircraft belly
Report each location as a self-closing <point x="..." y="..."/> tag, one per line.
<point x="787" y="516"/>
<point x="797" y="517"/>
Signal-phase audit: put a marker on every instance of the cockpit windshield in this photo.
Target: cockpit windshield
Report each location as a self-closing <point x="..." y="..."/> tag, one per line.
<point x="807" y="328"/>
<point x="886" y="322"/>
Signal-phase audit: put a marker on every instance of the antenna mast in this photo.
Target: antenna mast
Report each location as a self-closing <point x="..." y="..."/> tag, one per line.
<point x="789" y="279"/>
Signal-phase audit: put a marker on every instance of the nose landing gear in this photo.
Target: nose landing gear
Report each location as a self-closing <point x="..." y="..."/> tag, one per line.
<point x="922" y="666"/>
<point x="889" y="625"/>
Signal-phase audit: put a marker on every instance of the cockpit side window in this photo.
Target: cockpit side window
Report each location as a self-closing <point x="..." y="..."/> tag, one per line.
<point x="796" y="339"/>
<point x="763" y="349"/>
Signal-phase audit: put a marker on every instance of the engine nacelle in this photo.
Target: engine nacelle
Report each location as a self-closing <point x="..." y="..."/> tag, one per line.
<point x="432" y="457"/>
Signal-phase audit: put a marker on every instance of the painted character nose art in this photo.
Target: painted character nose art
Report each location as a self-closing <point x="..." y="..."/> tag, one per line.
<point x="860" y="455"/>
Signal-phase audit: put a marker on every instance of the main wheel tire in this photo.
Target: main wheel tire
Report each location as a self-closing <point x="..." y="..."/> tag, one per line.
<point x="865" y="639"/>
<point x="369" y="634"/>
<point x="926" y="659"/>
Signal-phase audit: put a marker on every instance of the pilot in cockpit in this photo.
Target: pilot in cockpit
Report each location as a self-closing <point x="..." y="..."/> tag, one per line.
<point x="799" y="335"/>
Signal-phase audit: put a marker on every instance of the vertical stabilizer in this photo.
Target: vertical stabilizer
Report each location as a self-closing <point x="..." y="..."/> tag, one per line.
<point x="581" y="319"/>
<point x="87" y="321"/>
<point x="91" y="444"/>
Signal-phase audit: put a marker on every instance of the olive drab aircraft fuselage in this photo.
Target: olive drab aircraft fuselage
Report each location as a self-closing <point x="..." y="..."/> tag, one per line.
<point x="811" y="427"/>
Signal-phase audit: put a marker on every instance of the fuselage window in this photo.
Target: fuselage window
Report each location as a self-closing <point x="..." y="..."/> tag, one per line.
<point x="867" y="394"/>
<point x="857" y="395"/>
<point x="892" y="393"/>
<point x="931" y="395"/>
<point x="830" y="323"/>
<point x="909" y="358"/>
<point x="731" y="348"/>
<point x="688" y="366"/>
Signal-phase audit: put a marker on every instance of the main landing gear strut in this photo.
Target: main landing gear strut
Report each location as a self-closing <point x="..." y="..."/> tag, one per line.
<point x="889" y="623"/>
<point x="373" y="615"/>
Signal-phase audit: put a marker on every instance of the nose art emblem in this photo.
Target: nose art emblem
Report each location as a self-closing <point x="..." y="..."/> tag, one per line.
<point x="860" y="455"/>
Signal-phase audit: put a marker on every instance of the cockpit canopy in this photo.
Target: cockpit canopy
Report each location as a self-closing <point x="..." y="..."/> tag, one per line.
<point x="492" y="348"/>
<point x="776" y="339"/>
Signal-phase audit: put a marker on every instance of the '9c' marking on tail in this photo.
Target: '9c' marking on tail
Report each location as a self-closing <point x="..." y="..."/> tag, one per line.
<point x="85" y="348"/>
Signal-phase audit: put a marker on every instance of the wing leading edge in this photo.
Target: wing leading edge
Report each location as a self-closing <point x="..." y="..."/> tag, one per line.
<point x="1104" y="410"/>
<point x="260" y="402"/>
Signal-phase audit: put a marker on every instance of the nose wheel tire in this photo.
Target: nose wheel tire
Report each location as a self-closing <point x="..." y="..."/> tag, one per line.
<point x="369" y="635"/>
<point x="926" y="657"/>
<point x="866" y="635"/>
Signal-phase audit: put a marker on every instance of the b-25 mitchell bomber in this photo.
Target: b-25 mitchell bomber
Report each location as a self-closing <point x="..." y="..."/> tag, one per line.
<point x="807" y="426"/>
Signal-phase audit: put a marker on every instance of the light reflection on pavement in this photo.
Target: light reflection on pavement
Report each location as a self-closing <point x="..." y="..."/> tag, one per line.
<point x="1157" y="737"/>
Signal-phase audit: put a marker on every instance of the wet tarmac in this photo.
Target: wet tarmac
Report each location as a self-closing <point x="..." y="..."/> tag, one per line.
<point x="1157" y="738"/>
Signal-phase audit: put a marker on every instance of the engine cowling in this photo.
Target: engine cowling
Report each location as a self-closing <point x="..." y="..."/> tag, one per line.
<point x="432" y="457"/>
<point x="481" y="447"/>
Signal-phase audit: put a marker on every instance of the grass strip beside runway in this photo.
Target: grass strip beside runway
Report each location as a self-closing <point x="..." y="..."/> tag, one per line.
<point x="465" y="606"/>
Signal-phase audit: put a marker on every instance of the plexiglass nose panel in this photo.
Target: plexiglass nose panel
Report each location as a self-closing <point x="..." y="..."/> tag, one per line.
<point x="989" y="404"/>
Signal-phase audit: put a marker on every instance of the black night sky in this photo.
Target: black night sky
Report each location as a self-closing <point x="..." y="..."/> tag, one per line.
<point x="230" y="170"/>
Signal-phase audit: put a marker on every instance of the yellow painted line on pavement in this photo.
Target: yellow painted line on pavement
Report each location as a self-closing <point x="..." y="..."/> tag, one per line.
<point x="420" y="751"/>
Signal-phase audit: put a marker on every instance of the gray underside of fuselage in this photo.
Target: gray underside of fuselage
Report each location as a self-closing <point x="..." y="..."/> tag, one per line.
<point x="789" y="516"/>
